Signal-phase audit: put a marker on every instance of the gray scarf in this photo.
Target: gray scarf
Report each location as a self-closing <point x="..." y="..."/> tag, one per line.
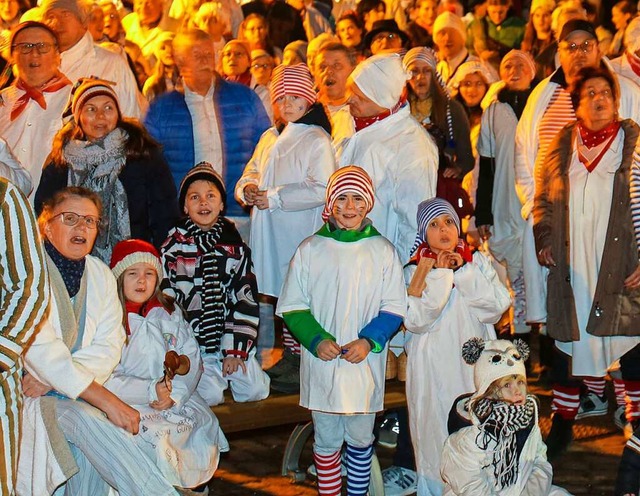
<point x="96" y="165"/>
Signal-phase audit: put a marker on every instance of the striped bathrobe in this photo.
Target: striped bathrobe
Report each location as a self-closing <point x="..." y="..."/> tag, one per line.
<point x="23" y="300"/>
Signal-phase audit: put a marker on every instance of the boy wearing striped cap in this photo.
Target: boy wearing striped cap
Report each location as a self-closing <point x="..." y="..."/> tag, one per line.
<point x="343" y="298"/>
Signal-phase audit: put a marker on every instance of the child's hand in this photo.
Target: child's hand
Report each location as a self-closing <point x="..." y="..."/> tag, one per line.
<point x="163" y="390"/>
<point x="231" y="364"/>
<point x="261" y="201"/>
<point x="250" y="191"/>
<point x="328" y="350"/>
<point x="356" y="350"/>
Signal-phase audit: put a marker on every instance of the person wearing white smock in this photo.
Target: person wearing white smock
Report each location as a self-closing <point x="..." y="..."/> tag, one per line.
<point x="461" y="297"/>
<point x="178" y="430"/>
<point x="498" y="449"/>
<point x="343" y="298"/>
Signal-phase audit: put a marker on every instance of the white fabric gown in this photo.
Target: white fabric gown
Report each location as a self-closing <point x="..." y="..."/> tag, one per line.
<point x="589" y="208"/>
<point x="294" y="168"/>
<point x="454" y="307"/>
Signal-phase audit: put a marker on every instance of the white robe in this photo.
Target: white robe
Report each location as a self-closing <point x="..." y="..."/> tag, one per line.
<point x="182" y="440"/>
<point x="345" y="286"/>
<point x="402" y="160"/>
<point x="454" y="307"/>
<point x="589" y="211"/>
<point x="294" y="168"/>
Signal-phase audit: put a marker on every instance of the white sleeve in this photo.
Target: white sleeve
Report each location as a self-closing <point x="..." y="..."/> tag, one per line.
<point x="294" y="296"/>
<point x="424" y="311"/>
<point x="485" y="296"/>
<point x="185" y="385"/>
<point x="251" y="174"/>
<point x="12" y="169"/>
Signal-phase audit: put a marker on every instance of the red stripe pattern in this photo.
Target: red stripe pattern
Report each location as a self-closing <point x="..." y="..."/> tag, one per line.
<point x="292" y="80"/>
<point x="329" y="474"/>
<point x="349" y="179"/>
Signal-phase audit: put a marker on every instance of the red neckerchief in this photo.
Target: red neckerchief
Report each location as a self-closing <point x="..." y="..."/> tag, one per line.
<point x="244" y="78"/>
<point x="364" y="122"/>
<point x="634" y="63"/>
<point x="56" y="83"/>
<point x="141" y="309"/>
<point x="424" y="250"/>
<point x="591" y="139"/>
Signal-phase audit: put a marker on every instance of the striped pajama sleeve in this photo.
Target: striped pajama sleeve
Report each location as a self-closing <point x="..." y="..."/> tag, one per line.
<point x="24" y="295"/>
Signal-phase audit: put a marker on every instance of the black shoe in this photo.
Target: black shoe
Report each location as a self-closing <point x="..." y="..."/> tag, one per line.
<point x="288" y="364"/>
<point x="559" y="437"/>
<point x="628" y="480"/>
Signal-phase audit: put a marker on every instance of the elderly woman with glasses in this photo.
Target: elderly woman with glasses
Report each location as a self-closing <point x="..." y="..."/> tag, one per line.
<point x="73" y="354"/>
<point x="115" y="157"/>
<point x="586" y="226"/>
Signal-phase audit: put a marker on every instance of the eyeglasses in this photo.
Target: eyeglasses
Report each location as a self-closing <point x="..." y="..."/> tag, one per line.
<point x="592" y="94"/>
<point x="585" y="47"/>
<point x="27" y="48"/>
<point x="384" y="36"/>
<point x="261" y="66"/>
<point x="72" y="218"/>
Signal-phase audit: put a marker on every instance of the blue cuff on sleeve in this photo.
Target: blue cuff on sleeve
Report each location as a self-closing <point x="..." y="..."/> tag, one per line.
<point x="381" y="329"/>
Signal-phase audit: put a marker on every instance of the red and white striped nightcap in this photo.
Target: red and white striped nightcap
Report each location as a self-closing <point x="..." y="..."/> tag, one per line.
<point x="349" y="179"/>
<point x="293" y="80"/>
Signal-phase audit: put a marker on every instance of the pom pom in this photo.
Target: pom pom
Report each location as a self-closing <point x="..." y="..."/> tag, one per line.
<point x="472" y="349"/>
<point x="523" y="348"/>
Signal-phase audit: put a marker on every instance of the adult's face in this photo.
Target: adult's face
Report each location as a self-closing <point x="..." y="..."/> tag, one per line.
<point x="255" y="32"/>
<point x="385" y="41"/>
<point x="73" y="241"/>
<point x="515" y="74"/>
<point x="497" y="12"/>
<point x="541" y="20"/>
<point x="96" y="23"/>
<point x="427" y="13"/>
<point x="261" y="70"/>
<point x="472" y="89"/>
<point x="350" y="35"/>
<point x="196" y="61"/>
<point x="374" y="15"/>
<point x="66" y="25"/>
<point x="98" y="117"/>
<point x="111" y="21"/>
<point x="421" y="77"/>
<point x="359" y="104"/>
<point x="36" y="68"/>
<point x="597" y="108"/>
<point x="9" y="9"/>
<point x="235" y="60"/>
<point x="149" y="11"/>
<point x="579" y="50"/>
<point x="450" y="42"/>
<point x="619" y="18"/>
<point x="333" y="68"/>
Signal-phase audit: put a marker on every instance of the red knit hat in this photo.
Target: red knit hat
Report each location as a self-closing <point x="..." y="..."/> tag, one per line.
<point x="292" y="80"/>
<point x="349" y="179"/>
<point x="132" y="251"/>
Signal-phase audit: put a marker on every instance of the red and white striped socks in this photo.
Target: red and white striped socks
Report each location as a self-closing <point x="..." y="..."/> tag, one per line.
<point x="595" y="385"/>
<point x="289" y="341"/>
<point x="632" y="400"/>
<point x="618" y="387"/>
<point x="329" y="473"/>
<point x="566" y="401"/>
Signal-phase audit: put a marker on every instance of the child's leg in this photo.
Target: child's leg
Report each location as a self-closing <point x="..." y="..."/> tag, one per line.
<point x="328" y="439"/>
<point x="630" y="370"/>
<point x="566" y="401"/>
<point x="628" y="480"/>
<point x="252" y="385"/>
<point x="359" y="437"/>
<point x="212" y="385"/>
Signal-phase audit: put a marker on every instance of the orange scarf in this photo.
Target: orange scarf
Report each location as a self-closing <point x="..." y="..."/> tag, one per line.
<point x="56" y="83"/>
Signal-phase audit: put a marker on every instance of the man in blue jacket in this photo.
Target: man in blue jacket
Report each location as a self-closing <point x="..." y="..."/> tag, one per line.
<point x="212" y="120"/>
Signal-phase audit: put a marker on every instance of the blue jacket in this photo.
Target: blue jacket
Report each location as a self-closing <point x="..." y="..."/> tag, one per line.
<point x="241" y="120"/>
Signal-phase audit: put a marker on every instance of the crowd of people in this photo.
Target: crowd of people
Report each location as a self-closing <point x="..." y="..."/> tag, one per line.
<point x="187" y="184"/>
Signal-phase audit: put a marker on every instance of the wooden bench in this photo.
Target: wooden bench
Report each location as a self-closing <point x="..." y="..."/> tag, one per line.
<point x="283" y="409"/>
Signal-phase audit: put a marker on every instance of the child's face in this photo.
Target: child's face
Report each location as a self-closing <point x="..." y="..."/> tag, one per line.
<point x="203" y="204"/>
<point x="139" y="282"/>
<point x="349" y="210"/>
<point x="442" y="234"/>
<point x="512" y="389"/>
<point x="291" y="107"/>
<point x="473" y="89"/>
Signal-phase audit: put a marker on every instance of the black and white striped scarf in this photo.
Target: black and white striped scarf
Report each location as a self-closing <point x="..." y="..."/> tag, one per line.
<point x="211" y="327"/>
<point x="499" y="423"/>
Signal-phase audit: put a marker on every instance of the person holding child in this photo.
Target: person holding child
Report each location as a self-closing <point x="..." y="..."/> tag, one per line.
<point x="343" y="298"/>
<point x="208" y="270"/>
<point x="500" y="452"/>
<point x="178" y="430"/>
<point x="458" y="298"/>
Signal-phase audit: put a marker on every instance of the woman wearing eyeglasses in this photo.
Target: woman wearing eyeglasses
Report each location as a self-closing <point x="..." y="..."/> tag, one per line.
<point x="587" y="231"/>
<point x="74" y="353"/>
<point x="117" y="159"/>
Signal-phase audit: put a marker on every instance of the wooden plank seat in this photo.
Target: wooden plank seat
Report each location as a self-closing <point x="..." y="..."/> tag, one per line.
<point x="283" y="409"/>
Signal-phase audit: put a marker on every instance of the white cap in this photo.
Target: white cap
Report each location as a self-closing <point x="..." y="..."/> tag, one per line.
<point x="381" y="78"/>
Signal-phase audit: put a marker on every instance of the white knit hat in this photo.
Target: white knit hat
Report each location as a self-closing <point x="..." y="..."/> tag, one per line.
<point x="472" y="67"/>
<point x="494" y="360"/>
<point x="547" y="5"/>
<point x="381" y="78"/>
<point x="449" y="20"/>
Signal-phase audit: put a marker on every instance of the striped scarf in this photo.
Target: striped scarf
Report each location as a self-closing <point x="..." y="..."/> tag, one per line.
<point x="211" y="327"/>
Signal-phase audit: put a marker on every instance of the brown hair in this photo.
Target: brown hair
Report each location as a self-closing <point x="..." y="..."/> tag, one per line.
<point x="335" y="46"/>
<point x="587" y="73"/>
<point x="59" y="197"/>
